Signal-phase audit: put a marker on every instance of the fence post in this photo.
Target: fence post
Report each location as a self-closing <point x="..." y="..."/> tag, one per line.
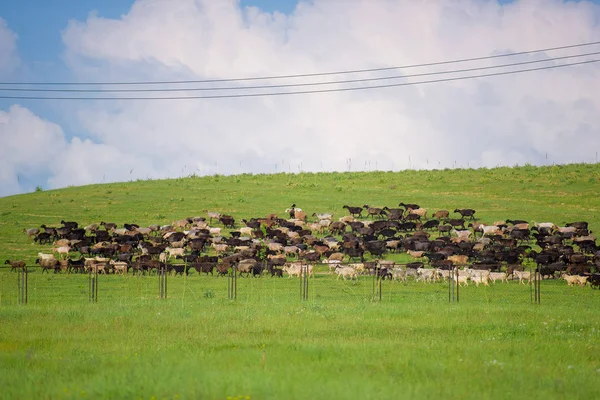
<point x="304" y="282"/>
<point x="93" y="284"/>
<point x="457" y="286"/>
<point x="374" y="279"/>
<point x="450" y="285"/>
<point x="536" y="281"/>
<point x="162" y="282"/>
<point x="376" y="283"/>
<point x="232" y="284"/>
<point x="22" y="285"/>
<point x="539" y="279"/>
<point x="453" y="285"/>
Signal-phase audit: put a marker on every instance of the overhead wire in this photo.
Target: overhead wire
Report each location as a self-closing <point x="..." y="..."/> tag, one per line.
<point x="242" y="95"/>
<point x="239" y="88"/>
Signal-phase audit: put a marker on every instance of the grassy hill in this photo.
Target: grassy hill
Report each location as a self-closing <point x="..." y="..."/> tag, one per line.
<point x="558" y="194"/>
<point x="268" y="344"/>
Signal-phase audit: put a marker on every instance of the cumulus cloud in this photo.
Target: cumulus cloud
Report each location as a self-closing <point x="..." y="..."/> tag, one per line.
<point x="540" y="117"/>
<point x="29" y="145"/>
<point x="35" y="152"/>
<point x="9" y="59"/>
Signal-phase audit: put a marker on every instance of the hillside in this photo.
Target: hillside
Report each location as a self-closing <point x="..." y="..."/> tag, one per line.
<point x="340" y="342"/>
<point x="554" y="193"/>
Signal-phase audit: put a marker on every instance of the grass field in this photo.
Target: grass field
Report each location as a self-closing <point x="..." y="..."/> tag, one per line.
<point x="268" y="343"/>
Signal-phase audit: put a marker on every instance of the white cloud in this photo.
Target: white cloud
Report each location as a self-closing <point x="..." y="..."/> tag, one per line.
<point x="35" y="152"/>
<point x="540" y="117"/>
<point x="29" y="146"/>
<point x="9" y="60"/>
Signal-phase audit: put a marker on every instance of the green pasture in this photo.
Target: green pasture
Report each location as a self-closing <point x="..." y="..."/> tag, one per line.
<point x="269" y="344"/>
<point x="555" y="193"/>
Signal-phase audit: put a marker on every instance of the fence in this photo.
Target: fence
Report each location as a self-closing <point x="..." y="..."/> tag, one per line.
<point x="32" y="286"/>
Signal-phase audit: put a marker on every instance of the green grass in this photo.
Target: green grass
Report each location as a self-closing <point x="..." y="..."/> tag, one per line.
<point x="268" y="343"/>
<point x="558" y="193"/>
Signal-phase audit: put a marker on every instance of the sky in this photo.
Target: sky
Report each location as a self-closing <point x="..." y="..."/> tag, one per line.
<point x="539" y="118"/>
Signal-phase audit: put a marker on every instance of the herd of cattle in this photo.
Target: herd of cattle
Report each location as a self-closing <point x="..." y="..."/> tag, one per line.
<point x="448" y="245"/>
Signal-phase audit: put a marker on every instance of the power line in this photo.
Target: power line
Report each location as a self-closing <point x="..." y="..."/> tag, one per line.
<point x="305" y="91"/>
<point x="306" y="74"/>
<point x="12" y="89"/>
